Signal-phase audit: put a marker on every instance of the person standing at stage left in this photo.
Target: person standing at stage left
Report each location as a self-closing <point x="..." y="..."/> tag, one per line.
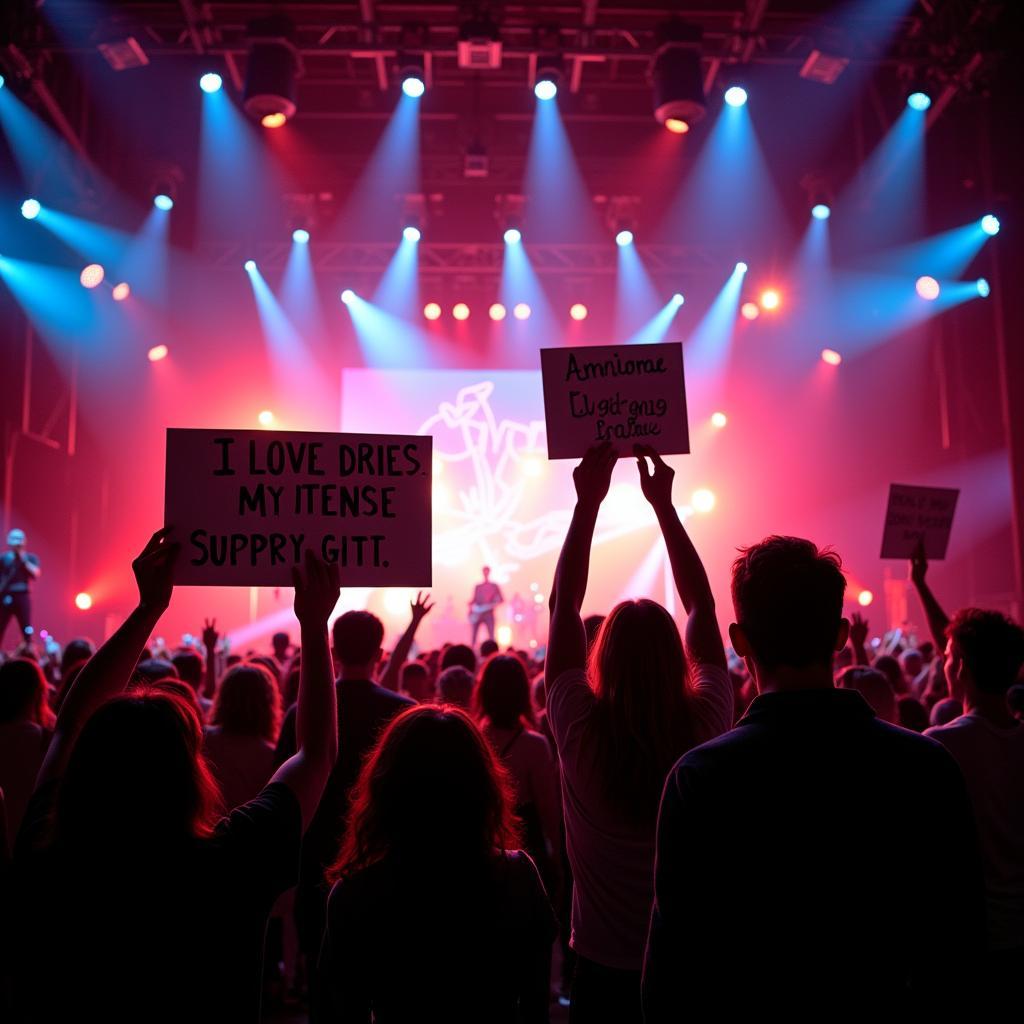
<point x="18" y="570"/>
<point x="486" y="597"/>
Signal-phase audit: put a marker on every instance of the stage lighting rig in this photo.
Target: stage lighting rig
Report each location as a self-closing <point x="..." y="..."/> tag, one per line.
<point x="412" y="60"/>
<point x="676" y="78"/>
<point x="271" y="80"/>
<point x="479" y="46"/>
<point x="548" y="66"/>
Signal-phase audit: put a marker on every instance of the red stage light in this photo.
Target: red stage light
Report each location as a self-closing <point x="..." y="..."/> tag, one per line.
<point x="521" y="311"/>
<point x="864" y="598"/>
<point x="83" y="601"/>
<point x="831" y="356"/>
<point x="274" y="120"/>
<point x="121" y="291"/>
<point x="677" y="125"/>
<point x="432" y="311"/>
<point x="770" y="299"/>
<point x="460" y="311"/>
<point x="750" y="310"/>
<point x="578" y="311"/>
<point x="156" y="353"/>
<point x="497" y="311"/>
<point x="266" y="418"/>
<point x="719" y="419"/>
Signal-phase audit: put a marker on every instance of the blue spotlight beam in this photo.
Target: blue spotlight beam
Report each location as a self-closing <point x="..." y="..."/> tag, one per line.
<point x="95" y="243"/>
<point x="398" y="289"/>
<point x="708" y="347"/>
<point x="558" y="207"/>
<point x="394" y="169"/>
<point x="658" y="326"/>
<point x="947" y="254"/>
<point x="636" y="299"/>
<point x="299" y="295"/>
<point x="519" y="283"/>
<point x="388" y="341"/>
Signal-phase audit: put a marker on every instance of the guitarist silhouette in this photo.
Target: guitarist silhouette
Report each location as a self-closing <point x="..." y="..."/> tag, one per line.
<point x="486" y="597"/>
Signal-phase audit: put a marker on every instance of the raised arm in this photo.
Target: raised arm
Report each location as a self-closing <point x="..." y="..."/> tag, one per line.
<point x="316" y="716"/>
<point x="702" y="637"/>
<point x="110" y="669"/>
<point x="858" y="638"/>
<point x="418" y="611"/>
<point x="567" y="640"/>
<point x="938" y="620"/>
<point x="210" y="638"/>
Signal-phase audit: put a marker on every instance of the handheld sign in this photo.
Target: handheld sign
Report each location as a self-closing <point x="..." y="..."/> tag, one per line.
<point x="247" y="504"/>
<point x="918" y="514"/>
<point x="626" y="394"/>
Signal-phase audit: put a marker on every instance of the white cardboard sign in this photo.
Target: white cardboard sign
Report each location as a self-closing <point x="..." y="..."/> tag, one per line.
<point x="916" y="514"/>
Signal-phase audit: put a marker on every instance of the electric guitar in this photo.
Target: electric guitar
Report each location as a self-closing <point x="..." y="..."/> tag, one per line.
<point x="478" y="611"/>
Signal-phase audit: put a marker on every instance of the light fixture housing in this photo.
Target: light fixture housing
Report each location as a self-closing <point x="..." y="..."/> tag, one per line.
<point x="677" y="81"/>
<point x="272" y="72"/>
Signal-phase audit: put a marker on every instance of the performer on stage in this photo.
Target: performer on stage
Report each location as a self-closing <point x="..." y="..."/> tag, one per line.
<point x="486" y="597"/>
<point x="18" y="569"/>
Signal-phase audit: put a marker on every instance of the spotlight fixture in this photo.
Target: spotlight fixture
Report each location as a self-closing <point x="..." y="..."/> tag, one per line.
<point x="821" y="211"/>
<point x="719" y="420"/>
<point x="521" y="311"/>
<point x="2" y="81"/>
<point x="156" y="353"/>
<point x="83" y="601"/>
<point x="831" y="356"/>
<point x="479" y="46"/>
<point x="512" y="236"/>
<point x="578" y="311"/>
<point x="249" y="266"/>
<point x="546" y="86"/>
<point x="678" y="299"/>
<point x="163" y="202"/>
<point x="741" y="268"/>
<point x="271" y="78"/>
<point x="348" y="296"/>
<point x="984" y="288"/>
<point x="412" y="59"/>
<point x="497" y="311"/>
<point x="121" y="291"/>
<point x="750" y="310"/>
<point x="432" y="311"/>
<point x="864" y="598"/>
<point x="928" y="288"/>
<point x="736" y="96"/>
<point x="676" y="78"/>
<point x="300" y="235"/>
<point x="919" y="100"/>
<point x="412" y="85"/>
<point x="989" y="223"/>
<point x="411" y="233"/>
<point x="31" y="208"/>
<point x="92" y="275"/>
<point x="211" y="82"/>
<point x="460" y="311"/>
<point x="624" y="237"/>
<point x="770" y="299"/>
<point x="265" y="418"/>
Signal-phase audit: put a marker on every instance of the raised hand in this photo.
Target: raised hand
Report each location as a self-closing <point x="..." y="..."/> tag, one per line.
<point x="210" y="634"/>
<point x="421" y="606"/>
<point x="657" y="486"/>
<point x="593" y="475"/>
<point x="154" y="570"/>
<point x="918" y="565"/>
<point x="316" y="589"/>
<point x="858" y="629"/>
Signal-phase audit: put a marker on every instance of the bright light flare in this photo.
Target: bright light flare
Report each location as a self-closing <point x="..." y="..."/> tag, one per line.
<point x="300" y="235"/>
<point x="413" y="87"/>
<point x="512" y="236"/>
<point x="266" y="418"/>
<point x="624" y="237"/>
<point x="121" y="291"/>
<point x="736" y="96"/>
<point x="460" y="311"/>
<point x="578" y="311"/>
<point x="348" y="296"/>
<point x="990" y="224"/>
<point x="277" y="119"/>
<point x="211" y="82"/>
<point x="503" y="635"/>
<point x="249" y="266"/>
<point x="770" y="299"/>
<point x="497" y="311"/>
<point x="545" y="89"/>
<point x="521" y="311"/>
<point x="741" y="267"/>
<point x="83" y="601"/>
<point x="928" y="288"/>
<point x="31" y="208"/>
<point x="678" y="299"/>
<point x="750" y="310"/>
<point x="163" y="202"/>
<point x="984" y="288"/>
<point x="919" y="101"/>
<point x="411" y="233"/>
<point x="831" y="356"/>
<point x="677" y="126"/>
<point x="533" y="466"/>
<point x="864" y="598"/>
<point x="821" y="211"/>
<point x="432" y="311"/>
<point x="156" y="353"/>
<point x="702" y="500"/>
<point x="719" y="420"/>
<point x="92" y="275"/>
